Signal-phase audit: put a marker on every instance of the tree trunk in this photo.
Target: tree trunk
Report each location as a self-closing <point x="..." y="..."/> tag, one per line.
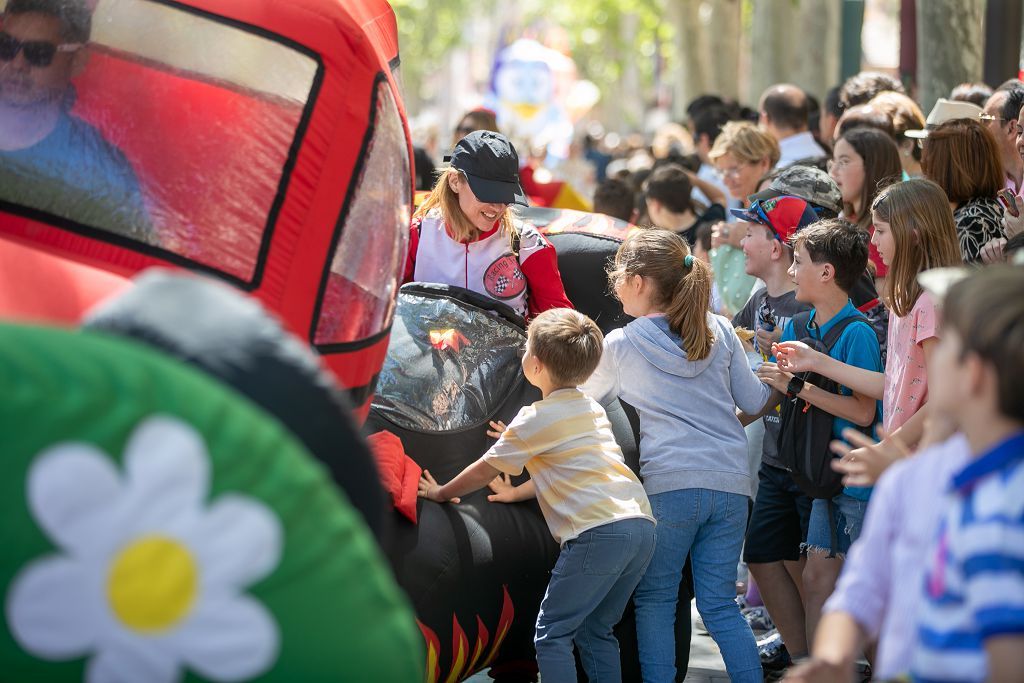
<point x="817" y="61"/>
<point x="723" y="40"/>
<point x="773" y="40"/>
<point x="950" y="46"/>
<point x="631" y="105"/>
<point x="689" y="41"/>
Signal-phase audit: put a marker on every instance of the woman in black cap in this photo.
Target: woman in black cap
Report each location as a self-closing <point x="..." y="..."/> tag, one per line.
<point x="465" y="235"/>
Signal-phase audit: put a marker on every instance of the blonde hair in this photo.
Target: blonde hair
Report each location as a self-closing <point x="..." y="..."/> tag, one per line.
<point x="567" y="343"/>
<point x="446" y="200"/>
<point x="924" y="236"/>
<point x="746" y="142"/>
<point x="682" y="292"/>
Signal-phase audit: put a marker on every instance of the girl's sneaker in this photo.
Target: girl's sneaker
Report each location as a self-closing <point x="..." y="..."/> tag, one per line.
<point x="758" y="619"/>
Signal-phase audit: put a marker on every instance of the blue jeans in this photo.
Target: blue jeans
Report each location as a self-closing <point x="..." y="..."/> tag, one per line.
<point x="709" y="525"/>
<point x="590" y="585"/>
<point x="848" y="514"/>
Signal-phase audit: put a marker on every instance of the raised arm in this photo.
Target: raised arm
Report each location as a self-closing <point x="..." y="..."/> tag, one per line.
<point x="795" y="356"/>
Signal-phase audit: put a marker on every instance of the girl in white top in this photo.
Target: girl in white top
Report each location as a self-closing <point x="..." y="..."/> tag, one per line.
<point x="465" y="234"/>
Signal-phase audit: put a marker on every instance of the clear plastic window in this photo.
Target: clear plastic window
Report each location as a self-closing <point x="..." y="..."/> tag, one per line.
<point x="152" y="123"/>
<point x="365" y="271"/>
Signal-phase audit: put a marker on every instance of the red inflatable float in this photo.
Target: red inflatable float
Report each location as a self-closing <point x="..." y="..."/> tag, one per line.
<point x="269" y="148"/>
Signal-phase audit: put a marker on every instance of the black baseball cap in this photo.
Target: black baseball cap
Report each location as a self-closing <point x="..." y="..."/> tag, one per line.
<point x="491" y="165"/>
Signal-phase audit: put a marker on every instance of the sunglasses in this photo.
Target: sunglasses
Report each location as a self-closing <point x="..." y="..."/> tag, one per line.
<point x="38" y="53"/>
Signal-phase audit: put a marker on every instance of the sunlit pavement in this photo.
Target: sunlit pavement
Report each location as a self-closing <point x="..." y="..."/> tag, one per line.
<point x="706" y="665"/>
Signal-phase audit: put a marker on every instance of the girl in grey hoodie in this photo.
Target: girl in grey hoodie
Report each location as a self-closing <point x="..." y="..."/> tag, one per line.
<point x="685" y="372"/>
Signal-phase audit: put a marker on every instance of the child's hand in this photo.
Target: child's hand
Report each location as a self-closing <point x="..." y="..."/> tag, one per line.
<point x="497" y="428"/>
<point x="430" y="489"/>
<point x="864" y="462"/>
<point x="794" y="356"/>
<point x="817" y="671"/>
<point x="504" y="491"/>
<point x="770" y="374"/>
<point x="766" y="339"/>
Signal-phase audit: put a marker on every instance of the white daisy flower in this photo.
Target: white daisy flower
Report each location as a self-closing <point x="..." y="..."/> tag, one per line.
<point x="148" y="580"/>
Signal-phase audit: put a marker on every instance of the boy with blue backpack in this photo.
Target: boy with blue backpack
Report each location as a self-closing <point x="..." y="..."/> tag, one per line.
<point x="829" y="258"/>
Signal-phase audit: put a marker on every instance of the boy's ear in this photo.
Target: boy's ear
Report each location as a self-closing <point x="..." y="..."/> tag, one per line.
<point x="981" y="377"/>
<point x="828" y="272"/>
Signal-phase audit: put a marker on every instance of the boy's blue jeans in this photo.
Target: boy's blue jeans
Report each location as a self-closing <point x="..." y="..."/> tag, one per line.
<point x="709" y="525"/>
<point x="590" y="585"/>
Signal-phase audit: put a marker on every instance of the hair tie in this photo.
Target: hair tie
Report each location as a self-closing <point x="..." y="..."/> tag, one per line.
<point x="688" y="261"/>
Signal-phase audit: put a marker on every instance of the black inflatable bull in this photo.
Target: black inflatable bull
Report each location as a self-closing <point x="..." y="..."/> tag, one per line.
<point x="476" y="571"/>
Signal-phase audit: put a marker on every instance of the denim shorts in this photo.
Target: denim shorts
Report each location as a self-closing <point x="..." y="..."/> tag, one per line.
<point x="778" y="524"/>
<point x="848" y="514"/>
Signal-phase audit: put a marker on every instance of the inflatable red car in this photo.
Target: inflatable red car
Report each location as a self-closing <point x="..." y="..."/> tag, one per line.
<point x="262" y="142"/>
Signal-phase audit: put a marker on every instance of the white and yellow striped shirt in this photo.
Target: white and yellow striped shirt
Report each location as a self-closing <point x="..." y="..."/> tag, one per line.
<point x="565" y="442"/>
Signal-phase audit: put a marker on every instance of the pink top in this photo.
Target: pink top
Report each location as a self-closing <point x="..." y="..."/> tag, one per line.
<point x="906" y="381"/>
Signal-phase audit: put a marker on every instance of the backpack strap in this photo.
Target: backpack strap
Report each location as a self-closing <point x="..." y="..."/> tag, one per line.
<point x="836" y="331"/>
<point x="800" y="322"/>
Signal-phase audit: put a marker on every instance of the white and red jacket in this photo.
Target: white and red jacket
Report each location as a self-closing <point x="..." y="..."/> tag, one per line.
<point x="530" y="284"/>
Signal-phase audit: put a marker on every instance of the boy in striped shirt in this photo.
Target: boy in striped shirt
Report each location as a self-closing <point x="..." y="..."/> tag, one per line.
<point x="971" y="624"/>
<point x="593" y="504"/>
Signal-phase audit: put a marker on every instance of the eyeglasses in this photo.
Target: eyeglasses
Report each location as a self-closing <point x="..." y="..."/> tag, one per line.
<point x="989" y="117"/>
<point x="839" y="164"/>
<point x="38" y="53"/>
<point x="732" y="172"/>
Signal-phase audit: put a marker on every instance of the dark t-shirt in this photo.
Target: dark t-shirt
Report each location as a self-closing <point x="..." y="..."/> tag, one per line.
<point x="752" y="316"/>
<point x="76" y="174"/>
<point x="714" y="214"/>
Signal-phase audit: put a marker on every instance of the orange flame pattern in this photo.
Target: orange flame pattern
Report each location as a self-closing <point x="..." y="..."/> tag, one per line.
<point x="464" y="663"/>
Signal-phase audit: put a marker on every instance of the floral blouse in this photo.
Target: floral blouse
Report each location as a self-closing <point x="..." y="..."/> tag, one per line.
<point x="978" y="221"/>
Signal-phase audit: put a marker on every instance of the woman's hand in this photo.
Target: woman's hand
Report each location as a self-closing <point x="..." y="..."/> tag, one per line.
<point x="504" y="491"/>
<point x="770" y="374"/>
<point x="428" y="488"/>
<point x="497" y="428"/>
<point x="863" y="462"/>
<point x="992" y="252"/>
<point x="1013" y="225"/>
<point x="795" y="356"/>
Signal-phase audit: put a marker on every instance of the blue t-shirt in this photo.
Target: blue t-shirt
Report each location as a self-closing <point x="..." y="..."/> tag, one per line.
<point x="76" y="174"/>
<point x="973" y="589"/>
<point x="856" y="346"/>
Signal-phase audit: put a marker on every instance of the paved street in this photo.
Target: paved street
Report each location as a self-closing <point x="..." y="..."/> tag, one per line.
<point x="706" y="664"/>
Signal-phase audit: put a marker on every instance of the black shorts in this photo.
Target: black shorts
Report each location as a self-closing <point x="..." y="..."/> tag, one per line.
<point x="778" y="524"/>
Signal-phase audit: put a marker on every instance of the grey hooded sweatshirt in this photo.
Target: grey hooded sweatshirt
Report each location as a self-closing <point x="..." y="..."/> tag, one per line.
<point x="690" y="436"/>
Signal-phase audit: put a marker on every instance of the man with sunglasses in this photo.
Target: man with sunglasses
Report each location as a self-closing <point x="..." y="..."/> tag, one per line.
<point x="51" y="160"/>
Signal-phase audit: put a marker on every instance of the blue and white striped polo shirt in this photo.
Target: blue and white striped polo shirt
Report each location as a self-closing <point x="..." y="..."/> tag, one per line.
<point x="974" y="585"/>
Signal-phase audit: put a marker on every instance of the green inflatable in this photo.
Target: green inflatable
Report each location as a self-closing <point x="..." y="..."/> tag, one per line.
<point x="157" y="527"/>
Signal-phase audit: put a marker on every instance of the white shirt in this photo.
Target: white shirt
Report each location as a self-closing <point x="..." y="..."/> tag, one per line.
<point x="797" y="147"/>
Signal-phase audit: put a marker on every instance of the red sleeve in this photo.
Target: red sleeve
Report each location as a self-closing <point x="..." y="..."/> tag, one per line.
<point x="544" y="281"/>
<point x="410" y="256"/>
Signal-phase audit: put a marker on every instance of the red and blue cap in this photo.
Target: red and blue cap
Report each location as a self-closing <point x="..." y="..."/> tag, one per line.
<point x="784" y="215"/>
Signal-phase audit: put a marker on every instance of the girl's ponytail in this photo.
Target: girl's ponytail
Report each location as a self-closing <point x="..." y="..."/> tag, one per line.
<point x="682" y="284"/>
<point x="687" y="312"/>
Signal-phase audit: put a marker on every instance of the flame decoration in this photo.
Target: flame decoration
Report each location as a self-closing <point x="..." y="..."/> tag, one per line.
<point x="464" y="663"/>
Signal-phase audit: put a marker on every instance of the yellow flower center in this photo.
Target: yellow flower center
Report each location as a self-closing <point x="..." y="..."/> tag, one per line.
<point x="152" y="583"/>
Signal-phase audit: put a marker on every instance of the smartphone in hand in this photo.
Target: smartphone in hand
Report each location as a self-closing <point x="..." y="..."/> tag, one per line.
<point x="1008" y="199"/>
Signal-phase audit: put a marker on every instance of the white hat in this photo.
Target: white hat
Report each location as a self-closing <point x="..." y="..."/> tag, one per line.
<point x="946" y="110"/>
<point x="937" y="281"/>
